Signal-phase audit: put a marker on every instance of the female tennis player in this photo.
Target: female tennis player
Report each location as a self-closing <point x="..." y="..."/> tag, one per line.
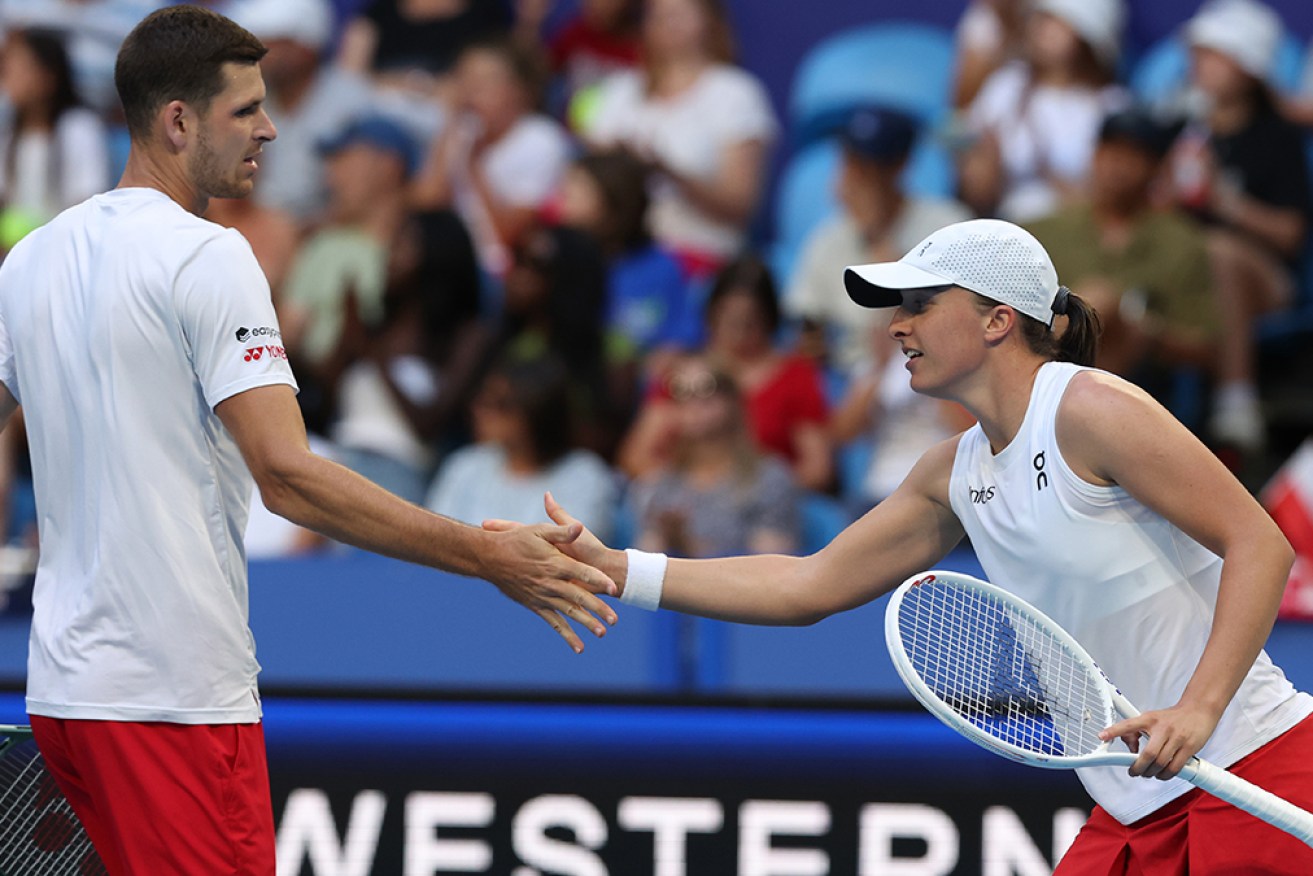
<point x="1087" y="499"/>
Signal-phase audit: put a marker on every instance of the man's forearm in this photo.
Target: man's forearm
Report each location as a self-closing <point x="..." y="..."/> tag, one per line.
<point x="333" y="500"/>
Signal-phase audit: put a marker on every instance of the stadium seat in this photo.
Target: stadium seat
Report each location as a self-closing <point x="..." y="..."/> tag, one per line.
<point x="903" y="65"/>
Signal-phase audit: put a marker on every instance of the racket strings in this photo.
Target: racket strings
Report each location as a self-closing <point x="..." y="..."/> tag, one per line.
<point x="1000" y="671"/>
<point x="39" y="834"/>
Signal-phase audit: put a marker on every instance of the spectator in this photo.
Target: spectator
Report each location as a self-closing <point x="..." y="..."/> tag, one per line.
<point x="605" y="195"/>
<point x="878" y="222"/>
<point x="898" y="424"/>
<point x="702" y="123"/>
<point x="341" y="271"/>
<point x="55" y="151"/>
<point x="1035" y="121"/>
<point x="990" y="33"/>
<point x="310" y="98"/>
<point x="1144" y="269"/>
<point x="406" y="381"/>
<point x="498" y="159"/>
<point x="411" y="46"/>
<point x="522" y="449"/>
<point x="93" y="31"/>
<point x="554" y="306"/>
<point x="719" y="495"/>
<point x="784" y="393"/>
<point x="1241" y="168"/>
<point x="601" y="38"/>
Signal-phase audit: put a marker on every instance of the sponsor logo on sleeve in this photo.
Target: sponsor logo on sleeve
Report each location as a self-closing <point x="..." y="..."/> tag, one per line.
<point x="245" y="334"/>
<point x="268" y="351"/>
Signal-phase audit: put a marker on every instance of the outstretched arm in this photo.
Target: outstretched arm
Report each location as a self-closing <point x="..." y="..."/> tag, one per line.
<point x="907" y="533"/>
<point x="1112" y="432"/>
<point x="321" y="495"/>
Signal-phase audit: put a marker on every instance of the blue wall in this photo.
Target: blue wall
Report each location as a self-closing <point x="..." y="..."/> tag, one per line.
<point x="363" y="622"/>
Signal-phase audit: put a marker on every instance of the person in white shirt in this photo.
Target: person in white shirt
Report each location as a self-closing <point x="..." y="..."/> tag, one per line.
<point x="703" y="123"/>
<point x="498" y="159"/>
<point x="1089" y="500"/>
<point x="54" y="151"/>
<point x="1035" y="121"/>
<point x="142" y="344"/>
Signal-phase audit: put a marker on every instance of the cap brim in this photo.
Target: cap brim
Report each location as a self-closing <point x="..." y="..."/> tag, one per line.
<point x="881" y="285"/>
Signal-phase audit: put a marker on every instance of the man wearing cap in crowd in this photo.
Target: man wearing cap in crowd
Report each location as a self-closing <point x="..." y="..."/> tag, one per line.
<point x="1086" y="498"/>
<point x="344" y="265"/>
<point x="310" y="97"/>
<point x="878" y="219"/>
<point x="1241" y="167"/>
<point x="1144" y="269"/>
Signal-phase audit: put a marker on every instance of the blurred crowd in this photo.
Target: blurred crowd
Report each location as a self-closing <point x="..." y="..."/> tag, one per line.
<point x="515" y="249"/>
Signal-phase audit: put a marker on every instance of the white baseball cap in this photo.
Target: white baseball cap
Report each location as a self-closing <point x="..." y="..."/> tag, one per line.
<point x="1246" y="31"/>
<point x="1097" y="22"/>
<point x="308" y="22"/>
<point x="993" y="258"/>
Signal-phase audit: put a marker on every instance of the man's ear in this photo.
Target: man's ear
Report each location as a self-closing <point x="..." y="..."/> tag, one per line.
<point x="179" y="123"/>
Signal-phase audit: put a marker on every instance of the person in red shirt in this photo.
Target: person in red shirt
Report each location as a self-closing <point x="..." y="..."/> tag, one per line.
<point x="784" y="392"/>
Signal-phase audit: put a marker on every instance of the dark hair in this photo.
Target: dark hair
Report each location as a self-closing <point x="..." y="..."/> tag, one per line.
<point x="622" y="180"/>
<point x="540" y="391"/>
<point x="51" y="53"/>
<point x="526" y="66"/>
<point x="1078" y="343"/>
<point x="747" y="274"/>
<point x="178" y="53"/>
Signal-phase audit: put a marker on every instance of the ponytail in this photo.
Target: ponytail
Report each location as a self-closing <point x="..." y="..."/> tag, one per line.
<point x="1077" y="343"/>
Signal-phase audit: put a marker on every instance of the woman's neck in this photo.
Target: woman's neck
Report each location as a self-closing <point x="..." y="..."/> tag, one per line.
<point x="675" y="75"/>
<point x="1230" y="114"/>
<point x="999" y="401"/>
<point x="520" y="458"/>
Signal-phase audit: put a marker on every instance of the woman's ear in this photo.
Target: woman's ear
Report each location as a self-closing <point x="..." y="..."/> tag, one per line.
<point x="1000" y="321"/>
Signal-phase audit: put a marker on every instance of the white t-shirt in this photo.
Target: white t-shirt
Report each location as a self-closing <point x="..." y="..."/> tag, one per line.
<point x="1042" y="132"/>
<point x="474" y="485"/>
<point x="54" y="171"/>
<point x="123" y="322"/>
<point x="690" y="132"/>
<point x="1137" y="592"/>
<point x="523" y="169"/>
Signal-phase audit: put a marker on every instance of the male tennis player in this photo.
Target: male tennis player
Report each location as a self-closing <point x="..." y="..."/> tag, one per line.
<point x="142" y="343"/>
<point x="1090" y="501"/>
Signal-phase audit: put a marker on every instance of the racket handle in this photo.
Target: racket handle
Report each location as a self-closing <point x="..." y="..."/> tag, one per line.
<point x="1251" y="798"/>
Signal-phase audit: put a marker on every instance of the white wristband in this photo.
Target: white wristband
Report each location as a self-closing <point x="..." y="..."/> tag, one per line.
<point x="643" y="581"/>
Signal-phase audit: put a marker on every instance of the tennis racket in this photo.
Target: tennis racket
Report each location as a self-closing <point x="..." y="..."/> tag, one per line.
<point x="1007" y="677"/>
<point x="39" y="834"/>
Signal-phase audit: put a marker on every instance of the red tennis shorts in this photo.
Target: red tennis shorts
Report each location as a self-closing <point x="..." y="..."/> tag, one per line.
<point x="1200" y="834"/>
<point x="155" y="798"/>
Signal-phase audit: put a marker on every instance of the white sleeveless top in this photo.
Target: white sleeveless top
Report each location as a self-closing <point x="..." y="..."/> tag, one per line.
<point x="1136" y="591"/>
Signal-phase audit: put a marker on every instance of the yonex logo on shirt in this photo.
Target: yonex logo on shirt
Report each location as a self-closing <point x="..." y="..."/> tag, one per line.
<point x="244" y="334"/>
<point x="254" y="354"/>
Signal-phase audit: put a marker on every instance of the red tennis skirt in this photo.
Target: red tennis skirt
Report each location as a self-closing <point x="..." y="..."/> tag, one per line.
<point x="1200" y="834"/>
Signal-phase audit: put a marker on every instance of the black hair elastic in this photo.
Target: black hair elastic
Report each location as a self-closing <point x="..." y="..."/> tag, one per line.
<point x="1060" y="301"/>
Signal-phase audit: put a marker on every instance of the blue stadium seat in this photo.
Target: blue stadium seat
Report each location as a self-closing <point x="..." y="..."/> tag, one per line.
<point x="904" y="65"/>
<point x="1161" y="72"/>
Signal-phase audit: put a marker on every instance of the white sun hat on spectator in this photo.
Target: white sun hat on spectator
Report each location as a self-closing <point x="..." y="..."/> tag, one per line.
<point x="993" y="258"/>
<point x="1246" y="31"/>
<point x="1097" y="22"/>
<point x="308" y="22"/>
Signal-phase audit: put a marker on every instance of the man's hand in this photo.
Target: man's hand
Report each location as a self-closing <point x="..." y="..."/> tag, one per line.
<point x="1165" y="739"/>
<point x="540" y="567"/>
